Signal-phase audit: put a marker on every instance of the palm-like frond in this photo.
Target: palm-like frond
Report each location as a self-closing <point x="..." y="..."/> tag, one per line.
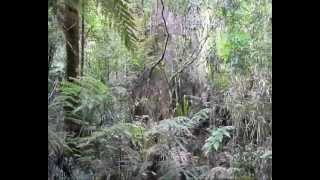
<point x="93" y="98"/>
<point x="118" y="12"/>
<point x="215" y="139"/>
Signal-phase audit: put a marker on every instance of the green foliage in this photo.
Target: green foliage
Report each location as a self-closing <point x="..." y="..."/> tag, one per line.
<point x="179" y="126"/>
<point x="174" y="171"/>
<point x="95" y="22"/>
<point x="172" y="136"/>
<point x="223" y="46"/>
<point x="245" y="178"/>
<point x="253" y="161"/>
<point x="55" y="143"/>
<point x="214" y="142"/>
<point x="93" y="98"/>
<point x="127" y="131"/>
<point x="243" y="41"/>
<point x="228" y="44"/>
<point x="176" y="131"/>
<point x="200" y="117"/>
<point x="137" y="64"/>
<point x="238" y="51"/>
<point x="177" y="6"/>
<point x="109" y="146"/>
<point x="172" y="131"/>
<point x="246" y="31"/>
<point x="240" y="40"/>
<point x="118" y="12"/>
<point x="220" y="80"/>
<point x="183" y="109"/>
<point x="250" y="106"/>
<point x="109" y="56"/>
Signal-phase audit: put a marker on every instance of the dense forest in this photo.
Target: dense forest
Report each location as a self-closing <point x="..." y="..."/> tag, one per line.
<point x="159" y="89"/>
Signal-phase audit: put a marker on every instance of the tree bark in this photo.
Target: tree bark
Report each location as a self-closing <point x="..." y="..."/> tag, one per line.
<point x="108" y="70"/>
<point x="71" y="28"/>
<point x="71" y="32"/>
<point x="51" y="51"/>
<point x="82" y="39"/>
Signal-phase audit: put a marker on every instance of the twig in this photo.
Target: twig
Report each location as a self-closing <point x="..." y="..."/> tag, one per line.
<point x="165" y="46"/>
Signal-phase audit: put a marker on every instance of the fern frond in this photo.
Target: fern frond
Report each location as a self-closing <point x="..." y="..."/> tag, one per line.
<point x="200" y="117"/>
<point x="56" y="145"/>
<point x="92" y="98"/>
<point x="122" y="19"/>
<point x="120" y="131"/>
<point x="214" y="142"/>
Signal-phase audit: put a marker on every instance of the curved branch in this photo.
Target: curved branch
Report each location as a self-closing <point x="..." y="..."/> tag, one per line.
<point x="166" y="43"/>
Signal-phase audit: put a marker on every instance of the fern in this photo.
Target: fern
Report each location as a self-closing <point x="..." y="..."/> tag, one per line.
<point x="93" y="98"/>
<point x="55" y="143"/>
<point x="124" y="131"/>
<point x="177" y="130"/>
<point x="181" y="168"/>
<point x="200" y="117"/>
<point x="119" y="12"/>
<point x="172" y="135"/>
<point x="173" y="131"/>
<point x="118" y="145"/>
<point x="214" y="142"/>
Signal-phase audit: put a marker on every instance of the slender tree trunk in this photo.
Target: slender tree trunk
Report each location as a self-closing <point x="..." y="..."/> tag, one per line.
<point x="71" y="32"/>
<point x="108" y="70"/>
<point x="51" y="51"/>
<point x="82" y="39"/>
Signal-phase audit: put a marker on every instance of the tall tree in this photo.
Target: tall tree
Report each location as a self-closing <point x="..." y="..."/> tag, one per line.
<point x="69" y="17"/>
<point x="71" y="31"/>
<point x="119" y="14"/>
<point x="82" y="36"/>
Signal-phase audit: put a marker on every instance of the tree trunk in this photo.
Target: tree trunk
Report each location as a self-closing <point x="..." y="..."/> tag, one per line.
<point x="51" y="51"/>
<point x="82" y="39"/>
<point x="71" y="32"/>
<point x="108" y="70"/>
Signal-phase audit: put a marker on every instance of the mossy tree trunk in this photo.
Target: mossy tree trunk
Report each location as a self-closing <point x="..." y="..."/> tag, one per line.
<point x="82" y="38"/>
<point x="71" y="32"/>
